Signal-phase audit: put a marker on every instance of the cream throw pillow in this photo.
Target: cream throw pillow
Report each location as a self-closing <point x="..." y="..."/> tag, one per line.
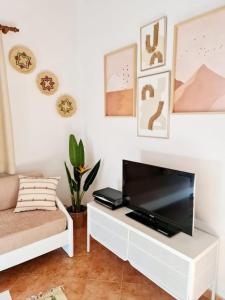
<point x="36" y="193"/>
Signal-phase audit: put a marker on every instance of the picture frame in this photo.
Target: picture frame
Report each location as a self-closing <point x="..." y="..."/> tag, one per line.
<point x="198" y="74"/>
<point x="120" y="80"/>
<point x="153" y="105"/>
<point x="156" y="50"/>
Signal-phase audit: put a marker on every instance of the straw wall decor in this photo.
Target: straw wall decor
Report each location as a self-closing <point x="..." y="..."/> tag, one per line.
<point x="66" y="106"/>
<point x="47" y="83"/>
<point x="22" y="59"/>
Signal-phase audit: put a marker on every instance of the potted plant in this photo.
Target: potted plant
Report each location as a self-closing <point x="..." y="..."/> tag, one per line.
<point x="77" y="187"/>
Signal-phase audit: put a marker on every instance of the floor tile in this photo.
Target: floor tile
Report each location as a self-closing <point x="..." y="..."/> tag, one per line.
<point x="131" y="275"/>
<point x="78" y="267"/>
<point x="101" y="290"/>
<point x="74" y="287"/>
<point x="106" y="267"/>
<point x="135" y="291"/>
<point x="7" y="279"/>
<point x="27" y="285"/>
<point x="159" y="294"/>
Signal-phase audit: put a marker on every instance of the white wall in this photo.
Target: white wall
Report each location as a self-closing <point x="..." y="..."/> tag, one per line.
<point x="196" y="142"/>
<point x="49" y="29"/>
<point x="70" y="38"/>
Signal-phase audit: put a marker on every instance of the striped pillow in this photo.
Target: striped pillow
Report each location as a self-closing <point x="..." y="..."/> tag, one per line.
<point x="36" y="193"/>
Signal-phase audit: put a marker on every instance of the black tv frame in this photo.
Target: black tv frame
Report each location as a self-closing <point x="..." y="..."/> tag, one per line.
<point x="157" y="222"/>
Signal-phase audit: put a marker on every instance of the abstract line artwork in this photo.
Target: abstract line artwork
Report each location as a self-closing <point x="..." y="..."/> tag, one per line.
<point x="47" y="83"/>
<point x="22" y="59"/>
<point x="120" y="82"/>
<point x="199" y="64"/>
<point x="153" y="44"/>
<point x="153" y="105"/>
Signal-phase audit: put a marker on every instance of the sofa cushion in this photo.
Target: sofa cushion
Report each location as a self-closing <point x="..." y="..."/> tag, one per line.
<point x="18" y="230"/>
<point x="36" y="193"/>
<point x="9" y="186"/>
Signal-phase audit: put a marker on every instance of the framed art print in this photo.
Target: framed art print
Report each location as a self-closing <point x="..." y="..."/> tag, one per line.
<point x="153" y="105"/>
<point x="199" y="64"/>
<point x="153" y="44"/>
<point x="120" y="82"/>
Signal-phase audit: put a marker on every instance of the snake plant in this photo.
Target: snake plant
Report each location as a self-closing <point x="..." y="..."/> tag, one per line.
<point x="75" y="178"/>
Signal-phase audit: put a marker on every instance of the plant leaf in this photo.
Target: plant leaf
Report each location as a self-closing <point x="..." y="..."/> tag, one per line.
<point x="81" y="153"/>
<point x="74" y="184"/>
<point x="76" y="175"/>
<point x="69" y="178"/>
<point x="73" y="151"/>
<point x="91" y="176"/>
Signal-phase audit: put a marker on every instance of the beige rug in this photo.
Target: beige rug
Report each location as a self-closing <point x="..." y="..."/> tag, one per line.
<point x="53" y="294"/>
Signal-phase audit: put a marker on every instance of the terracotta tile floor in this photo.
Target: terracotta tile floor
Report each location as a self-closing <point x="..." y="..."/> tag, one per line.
<point x="98" y="275"/>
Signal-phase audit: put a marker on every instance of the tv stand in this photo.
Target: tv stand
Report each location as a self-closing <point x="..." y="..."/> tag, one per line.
<point x="184" y="266"/>
<point x="166" y="229"/>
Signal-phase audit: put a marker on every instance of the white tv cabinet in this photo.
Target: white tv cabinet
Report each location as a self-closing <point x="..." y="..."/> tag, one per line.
<point x="184" y="266"/>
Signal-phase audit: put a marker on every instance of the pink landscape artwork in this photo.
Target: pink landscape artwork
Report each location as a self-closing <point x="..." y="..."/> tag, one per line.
<point x="120" y="82"/>
<point x="199" y="65"/>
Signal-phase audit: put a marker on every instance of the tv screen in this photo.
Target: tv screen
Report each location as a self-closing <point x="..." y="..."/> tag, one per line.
<point x="160" y="192"/>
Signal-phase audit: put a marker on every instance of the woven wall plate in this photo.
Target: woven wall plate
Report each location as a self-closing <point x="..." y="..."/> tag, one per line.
<point x="22" y="59"/>
<point x="66" y="106"/>
<point x="47" y="83"/>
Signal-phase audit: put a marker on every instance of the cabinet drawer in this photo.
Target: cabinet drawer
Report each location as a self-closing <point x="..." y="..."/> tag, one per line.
<point x="107" y="222"/>
<point x="113" y="242"/>
<point x="167" y="278"/>
<point x="160" y="253"/>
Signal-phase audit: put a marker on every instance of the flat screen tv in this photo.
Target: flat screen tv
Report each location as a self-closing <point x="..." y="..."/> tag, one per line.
<point x="161" y="198"/>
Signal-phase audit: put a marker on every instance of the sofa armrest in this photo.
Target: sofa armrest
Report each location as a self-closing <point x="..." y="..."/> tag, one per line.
<point x="63" y="209"/>
<point x="69" y="248"/>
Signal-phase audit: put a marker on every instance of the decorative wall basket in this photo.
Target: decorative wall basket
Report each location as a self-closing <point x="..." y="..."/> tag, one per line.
<point x="66" y="106"/>
<point x="47" y="83"/>
<point x="22" y="59"/>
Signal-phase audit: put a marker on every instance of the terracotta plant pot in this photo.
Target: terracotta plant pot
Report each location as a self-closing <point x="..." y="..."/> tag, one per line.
<point x="79" y="218"/>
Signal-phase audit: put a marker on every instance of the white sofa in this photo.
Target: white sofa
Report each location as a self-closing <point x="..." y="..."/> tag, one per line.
<point x="26" y="235"/>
